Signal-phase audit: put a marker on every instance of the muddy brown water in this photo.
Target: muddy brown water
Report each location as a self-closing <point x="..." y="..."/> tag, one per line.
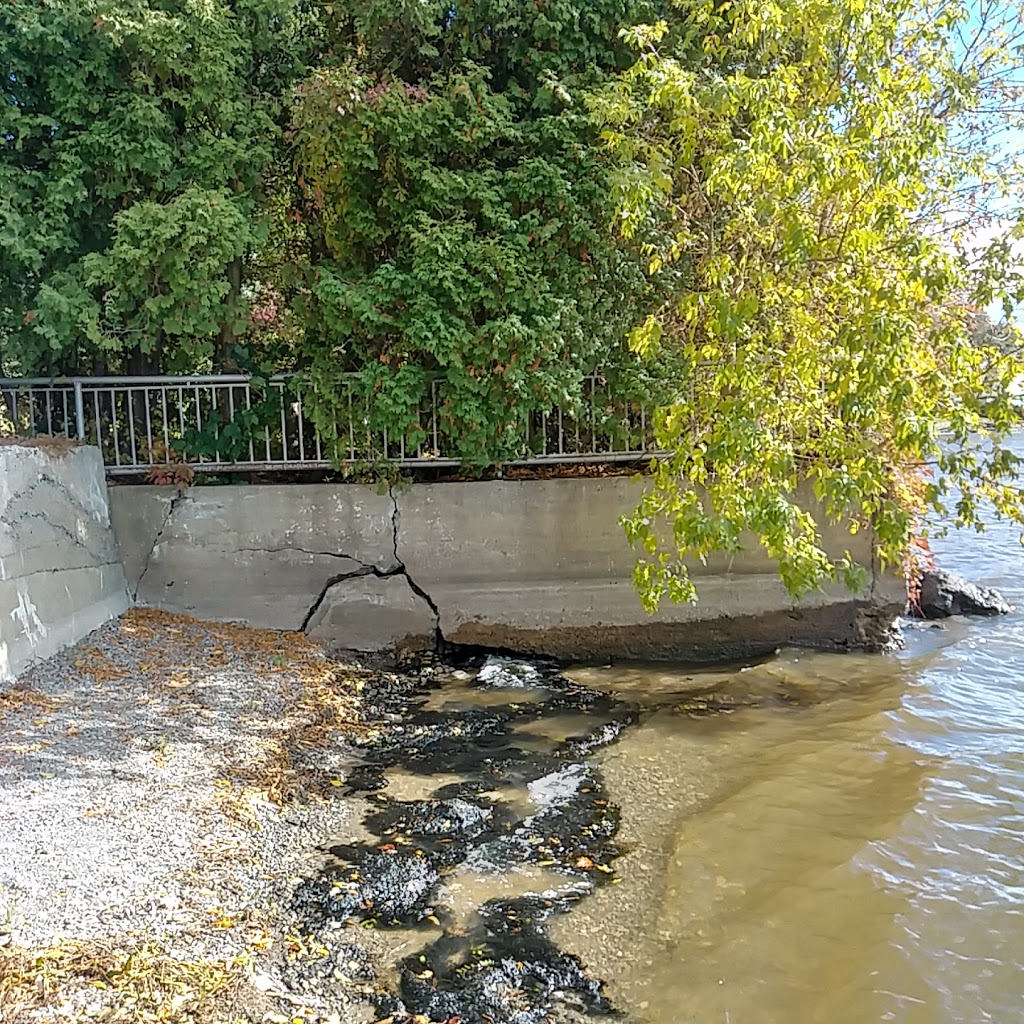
<point x="811" y="838"/>
<point x="853" y="854"/>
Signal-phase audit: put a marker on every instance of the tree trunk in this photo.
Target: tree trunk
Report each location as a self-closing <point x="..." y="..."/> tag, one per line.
<point x="223" y="362"/>
<point x="142" y="364"/>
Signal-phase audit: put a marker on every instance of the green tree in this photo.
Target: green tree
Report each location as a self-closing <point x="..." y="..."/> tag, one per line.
<point x="134" y="137"/>
<point x="458" y="205"/>
<point x="805" y="179"/>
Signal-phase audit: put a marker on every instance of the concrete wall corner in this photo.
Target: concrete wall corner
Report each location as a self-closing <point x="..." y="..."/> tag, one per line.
<point x="60" y="569"/>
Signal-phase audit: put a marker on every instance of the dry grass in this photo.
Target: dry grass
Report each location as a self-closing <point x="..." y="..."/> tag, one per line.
<point x="57" y="447"/>
<point x="94" y="981"/>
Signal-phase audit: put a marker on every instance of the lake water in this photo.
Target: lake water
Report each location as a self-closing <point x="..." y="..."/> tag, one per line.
<point x="851" y="853"/>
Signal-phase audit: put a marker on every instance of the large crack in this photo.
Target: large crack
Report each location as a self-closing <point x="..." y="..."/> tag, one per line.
<point x="398" y="569"/>
<point x="413" y="585"/>
<point x="179" y="499"/>
<point x="60" y="528"/>
<point x="333" y="581"/>
<point x="305" y="551"/>
<point x="58" y="569"/>
<point x="23" y="502"/>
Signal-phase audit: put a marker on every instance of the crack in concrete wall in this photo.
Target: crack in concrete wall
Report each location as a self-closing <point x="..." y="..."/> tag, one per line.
<point x="539" y="567"/>
<point x="179" y="499"/>
<point x="64" y="568"/>
<point x="60" y="571"/>
<point x="365" y="570"/>
<point x="24" y="510"/>
<point x="413" y="585"/>
<point x="304" y="551"/>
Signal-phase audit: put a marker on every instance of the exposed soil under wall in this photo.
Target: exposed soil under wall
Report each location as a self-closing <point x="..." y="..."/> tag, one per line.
<point x="848" y="625"/>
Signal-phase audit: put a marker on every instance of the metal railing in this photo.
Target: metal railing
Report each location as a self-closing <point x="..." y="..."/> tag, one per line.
<point x="227" y="423"/>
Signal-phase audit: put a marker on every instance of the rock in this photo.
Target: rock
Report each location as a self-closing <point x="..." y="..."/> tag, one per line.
<point x="943" y="594"/>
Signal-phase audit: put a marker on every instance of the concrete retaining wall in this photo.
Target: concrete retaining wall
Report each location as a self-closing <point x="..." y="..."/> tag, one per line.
<point x="533" y="566"/>
<point x="60" y="573"/>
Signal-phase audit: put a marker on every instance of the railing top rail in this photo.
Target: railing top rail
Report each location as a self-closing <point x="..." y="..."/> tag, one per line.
<point x="155" y="381"/>
<point x="174" y="381"/>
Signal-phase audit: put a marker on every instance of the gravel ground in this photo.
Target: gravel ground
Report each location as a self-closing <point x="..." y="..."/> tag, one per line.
<point x="163" y="786"/>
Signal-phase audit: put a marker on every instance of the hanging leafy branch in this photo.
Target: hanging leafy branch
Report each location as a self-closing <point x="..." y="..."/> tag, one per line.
<point x="806" y="179"/>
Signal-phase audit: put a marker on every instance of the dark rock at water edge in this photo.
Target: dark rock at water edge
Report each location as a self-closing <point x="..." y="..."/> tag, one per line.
<point x="942" y="594"/>
<point x="515" y="976"/>
<point x="496" y="964"/>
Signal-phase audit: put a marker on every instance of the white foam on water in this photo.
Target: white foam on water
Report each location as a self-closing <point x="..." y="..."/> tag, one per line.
<point x="507" y="672"/>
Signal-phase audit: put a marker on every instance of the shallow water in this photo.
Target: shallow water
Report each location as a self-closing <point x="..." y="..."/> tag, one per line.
<point x="853" y="854"/>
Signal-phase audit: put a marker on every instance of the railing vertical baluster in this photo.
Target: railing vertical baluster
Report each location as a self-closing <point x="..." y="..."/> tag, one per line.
<point x="593" y="420"/>
<point x="302" y="432"/>
<point x="366" y="423"/>
<point x="433" y="416"/>
<point x="163" y="407"/>
<point x="215" y="417"/>
<point x="149" y="427"/>
<point x="231" y="404"/>
<point x="284" y="429"/>
<point x="99" y="425"/>
<point x="351" y="428"/>
<point x="131" y="425"/>
<point x="113" y="424"/>
<point x="248" y="405"/>
<point x="266" y="440"/>
<point x="319" y="444"/>
<point x="199" y="420"/>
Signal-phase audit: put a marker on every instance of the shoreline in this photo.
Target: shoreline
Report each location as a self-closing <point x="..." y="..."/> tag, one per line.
<point x="224" y="825"/>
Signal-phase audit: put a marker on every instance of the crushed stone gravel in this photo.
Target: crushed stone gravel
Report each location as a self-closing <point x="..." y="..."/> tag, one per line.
<point x="170" y="780"/>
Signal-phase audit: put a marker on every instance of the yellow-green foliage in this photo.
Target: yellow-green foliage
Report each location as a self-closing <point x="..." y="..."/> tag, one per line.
<point x="805" y="178"/>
